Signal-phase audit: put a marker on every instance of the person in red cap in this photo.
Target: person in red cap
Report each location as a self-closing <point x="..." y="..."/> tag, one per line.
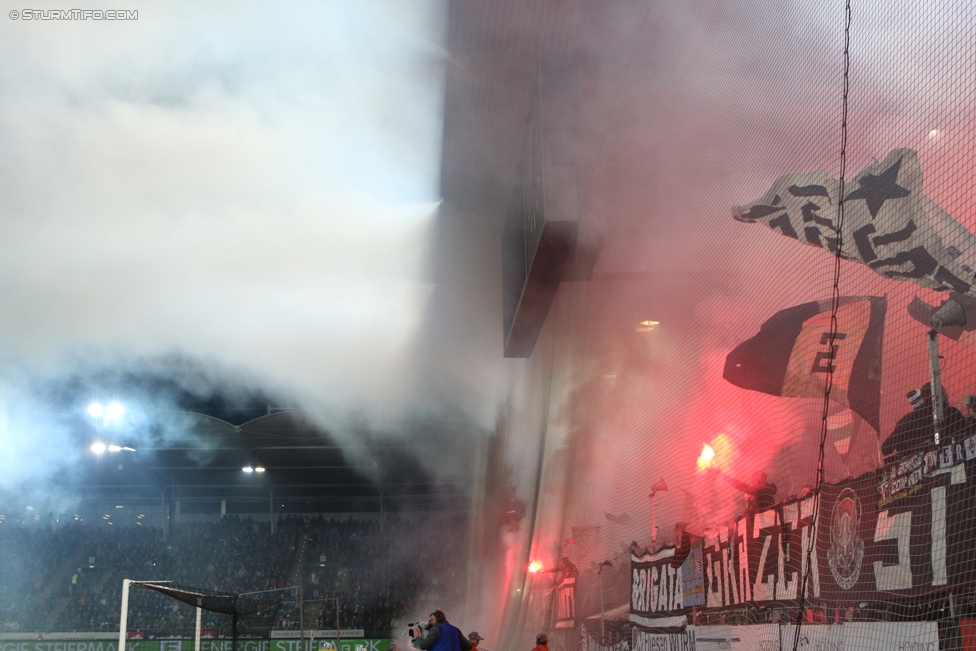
<point x="541" y="642"/>
<point x="474" y="638"/>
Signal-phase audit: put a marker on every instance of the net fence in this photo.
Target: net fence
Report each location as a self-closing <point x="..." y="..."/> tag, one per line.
<point x="726" y="435"/>
<point x="173" y="617"/>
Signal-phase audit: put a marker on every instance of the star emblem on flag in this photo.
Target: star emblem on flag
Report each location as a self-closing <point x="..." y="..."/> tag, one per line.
<point x="876" y="189"/>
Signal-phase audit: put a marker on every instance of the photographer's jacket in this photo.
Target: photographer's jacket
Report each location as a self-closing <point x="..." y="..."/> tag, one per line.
<point x="442" y="637"/>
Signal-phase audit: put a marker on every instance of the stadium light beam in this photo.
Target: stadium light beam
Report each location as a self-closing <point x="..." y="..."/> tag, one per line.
<point x="259" y="469"/>
<point x="111" y="414"/>
<point x="248" y="469"/>
<point x="98" y="447"/>
<point x="114" y="411"/>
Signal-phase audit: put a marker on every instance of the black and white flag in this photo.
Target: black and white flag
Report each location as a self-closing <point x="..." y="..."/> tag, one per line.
<point x="889" y="224"/>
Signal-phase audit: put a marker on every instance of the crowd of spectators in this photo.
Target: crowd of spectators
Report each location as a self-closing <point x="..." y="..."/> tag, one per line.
<point x="70" y="578"/>
<point x="381" y="573"/>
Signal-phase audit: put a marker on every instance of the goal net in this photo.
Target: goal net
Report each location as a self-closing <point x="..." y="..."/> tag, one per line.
<point x="165" y="616"/>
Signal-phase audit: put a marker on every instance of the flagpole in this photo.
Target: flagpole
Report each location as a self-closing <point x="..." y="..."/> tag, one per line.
<point x="661" y="485"/>
<point x="935" y="379"/>
<point x="653" y="527"/>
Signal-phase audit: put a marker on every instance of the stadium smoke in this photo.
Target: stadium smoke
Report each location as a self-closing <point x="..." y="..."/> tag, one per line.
<point x="249" y="190"/>
<point x="223" y="200"/>
<point x="256" y="191"/>
<point x="705" y="108"/>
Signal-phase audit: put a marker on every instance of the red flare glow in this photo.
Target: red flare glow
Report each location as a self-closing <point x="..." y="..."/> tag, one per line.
<point x="535" y="566"/>
<point x="706" y="458"/>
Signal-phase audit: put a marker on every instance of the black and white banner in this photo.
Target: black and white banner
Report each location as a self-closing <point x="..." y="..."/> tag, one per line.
<point x="902" y="532"/>
<point x="889" y="224"/>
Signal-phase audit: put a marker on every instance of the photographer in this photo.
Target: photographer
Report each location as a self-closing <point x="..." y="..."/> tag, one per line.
<point x="440" y="635"/>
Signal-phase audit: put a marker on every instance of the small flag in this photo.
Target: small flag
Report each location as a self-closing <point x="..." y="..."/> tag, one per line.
<point x="586" y="536"/>
<point x="793" y="354"/>
<point x="659" y="487"/>
<point x="623" y="518"/>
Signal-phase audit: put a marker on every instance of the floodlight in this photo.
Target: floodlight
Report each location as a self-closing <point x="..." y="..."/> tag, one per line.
<point x="114" y="411"/>
<point x="259" y="469"/>
<point x="951" y="313"/>
<point x="95" y="410"/>
<point x="248" y="469"/>
<point x="114" y="448"/>
<point x="98" y="447"/>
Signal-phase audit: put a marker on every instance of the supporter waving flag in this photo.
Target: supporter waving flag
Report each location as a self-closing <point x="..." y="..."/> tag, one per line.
<point x="889" y="224"/>
<point x="794" y="351"/>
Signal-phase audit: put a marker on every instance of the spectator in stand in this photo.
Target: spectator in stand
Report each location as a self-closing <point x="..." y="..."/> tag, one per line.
<point x="377" y="581"/>
<point x="475" y="640"/>
<point x="541" y="642"/>
<point x="915" y="431"/>
<point x="760" y="492"/>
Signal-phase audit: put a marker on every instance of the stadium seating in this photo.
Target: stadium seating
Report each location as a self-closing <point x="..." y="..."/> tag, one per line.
<point x="70" y="578"/>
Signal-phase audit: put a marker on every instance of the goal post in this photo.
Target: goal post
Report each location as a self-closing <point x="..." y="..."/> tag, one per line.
<point x="124" y="615"/>
<point x="165" y="611"/>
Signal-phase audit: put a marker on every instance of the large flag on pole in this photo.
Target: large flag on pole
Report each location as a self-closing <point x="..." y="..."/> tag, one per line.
<point x="793" y="354"/>
<point x="889" y="224"/>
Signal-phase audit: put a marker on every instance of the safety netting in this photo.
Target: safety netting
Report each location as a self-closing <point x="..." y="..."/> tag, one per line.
<point x="726" y="436"/>
<point x="165" y="615"/>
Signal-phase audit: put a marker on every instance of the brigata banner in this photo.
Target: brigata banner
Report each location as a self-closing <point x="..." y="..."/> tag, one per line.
<point x="891" y="535"/>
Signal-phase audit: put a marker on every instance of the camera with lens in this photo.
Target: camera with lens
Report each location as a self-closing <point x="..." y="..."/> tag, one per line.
<point x="415" y="629"/>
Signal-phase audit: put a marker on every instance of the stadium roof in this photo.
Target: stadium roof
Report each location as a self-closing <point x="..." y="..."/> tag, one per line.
<point x="306" y="470"/>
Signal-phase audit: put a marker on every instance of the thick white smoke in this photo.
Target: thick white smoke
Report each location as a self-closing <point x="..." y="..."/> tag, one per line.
<point x="240" y="184"/>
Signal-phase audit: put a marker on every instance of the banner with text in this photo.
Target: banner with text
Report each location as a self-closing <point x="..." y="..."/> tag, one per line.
<point x="891" y="535"/>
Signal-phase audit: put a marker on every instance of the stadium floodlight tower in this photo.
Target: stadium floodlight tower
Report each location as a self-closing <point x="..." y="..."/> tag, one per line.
<point x="110" y="414"/>
<point x="950" y="313"/>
